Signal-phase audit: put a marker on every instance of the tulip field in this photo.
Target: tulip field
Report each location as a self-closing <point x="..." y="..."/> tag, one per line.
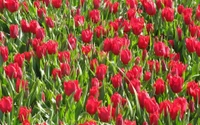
<point x="100" y="62"/>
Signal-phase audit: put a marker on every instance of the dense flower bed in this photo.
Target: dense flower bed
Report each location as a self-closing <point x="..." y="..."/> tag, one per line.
<point x="89" y="62"/>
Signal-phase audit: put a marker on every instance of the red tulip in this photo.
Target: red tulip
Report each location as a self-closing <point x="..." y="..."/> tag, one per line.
<point x="147" y="76"/>
<point x="40" y="33"/>
<point x="12" y="5"/>
<point x="79" y="20"/>
<point x="151" y="105"/>
<point x="187" y="15"/>
<point x="26" y="122"/>
<point x="168" y="3"/>
<point x="34" y="25"/>
<point x="114" y="7"/>
<point x="101" y="71"/>
<point x="143" y="41"/>
<point x="57" y="3"/>
<point x="126" y="26"/>
<point x="25" y="26"/>
<point x="6" y="104"/>
<point x="41" y="51"/>
<point x="149" y="27"/>
<point x="119" y="120"/>
<point x="198" y="13"/>
<point x="99" y="31"/>
<point x="116" y="80"/>
<point x="168" y="14"/>
<point x="104" y="114"/>
<point x="117" y="45"/>
<point x="176" y="83"/>
<point x="4" y="53"/>
<point x="64" y="56"/>
<point x="180" y="9"/>
<point x="86" y="49"/>
<point x="116" y="99"/>
<point x="159" y="86"/>
<point x="94" y="91"/>
<point x="191" y="44"/>
<point x="134" y="85"/>
<point x="65" y="69"/>
<point x="70" y="87"/>
<point x="19" y="59"/>
<point x="52" y="46"/>
<point x="153" y="118"/>
<point x="137" y="25"/>
<point x="159" y="3"/>
<point x="125" y="56"/>
<point x="107" y="44"/>
<point x="95" y="82"/>
<point x="193" y="89"/>
<point x="86" y="35"/>
<point x="96" y="3"/>
<point x="159" y="49"/>
<point x="49" y="22"/>
<point x="149" y="7"/>
<point x="58" y="99"/>
<point x="93" y="64"/>
<point x="95" y="15"/>
<point x="92" y="105"/>
<point x="14" y="31"/>
<point x="21" y="84"/>
<point x="165" y="107"/>
<point x="41" y="12"/>
<point x="13" y="71"/>
<point x="142" y="95"/>
<point x="197" y="48"/>
<point x="114" y="25"/>
<point x="179" y="105"/>
<point x="179" y="32"/>
<point x="131" y="13"/>
<point x="132" y="3"/>
<point x="24" y="113"/>
<point x="56" y="73"/>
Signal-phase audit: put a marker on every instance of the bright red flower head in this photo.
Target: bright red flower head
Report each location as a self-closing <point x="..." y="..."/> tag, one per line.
<point x="49" y="22"/>
<point x="4" y="53"/>
<point x="24" y="113"/>
<point x="79" y="20"/>
<point x="86" y="35"/>
<point x="6" y="104"/>
<point x="191" y="44"/>
<point x="25" y="26"/>
<point x="65" y="69"/>
<point x="125" y="56"/>
<point x="101" y="71"/>
<point x="137" y="25"/>
<point x="12" y="5"/>
<point x="116" y="99"/>
<point x="149" y="7"/>
<point x="116" y="80"/>
<point x="159" y="86"/>
<point x="168" y="14"/>
<point x="95" y="15"/>
<point x="57" y="3"/>
<point x="92" y="105"/>
<point x="21" y="84"/>
<point x="104" y="114"/>
<point x="143" y="41"/>
<point x="14" y="31"/>
<point x="70" y="87"/>
<point x="176" y="83"/>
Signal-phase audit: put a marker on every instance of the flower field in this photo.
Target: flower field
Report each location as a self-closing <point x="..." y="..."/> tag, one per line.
<point x="99" y="62"/>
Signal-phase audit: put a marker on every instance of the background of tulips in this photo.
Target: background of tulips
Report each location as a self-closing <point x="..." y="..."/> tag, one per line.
<point x="89" y="62"/>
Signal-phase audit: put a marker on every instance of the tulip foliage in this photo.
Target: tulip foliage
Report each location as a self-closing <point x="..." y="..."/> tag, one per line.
<point x="89" y="62"/>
